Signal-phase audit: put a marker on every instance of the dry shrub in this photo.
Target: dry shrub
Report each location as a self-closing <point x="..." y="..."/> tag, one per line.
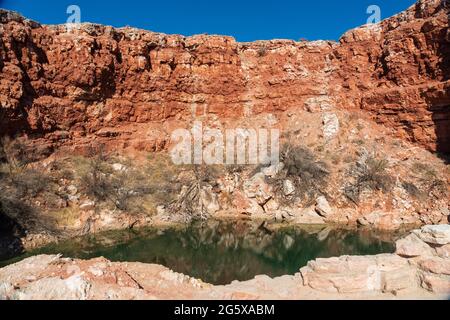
<point x="189" y="203"/>
<point x="105" y="185"/>
<point x="429" y="181"/>
<point x="307" y="174"/>
<point x="20" y="184"/>
<point x="371" y="174"/>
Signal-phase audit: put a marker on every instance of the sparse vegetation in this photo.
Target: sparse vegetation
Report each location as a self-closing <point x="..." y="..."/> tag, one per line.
<point x="262" y="51"/>
<point x="190" y="204"/>
<point x="428" y="180"/>
<point x="370" y="173"/>
<point x="308" y="175"/>
<point x="413" y="191"/>
<point x="18" y="181"/>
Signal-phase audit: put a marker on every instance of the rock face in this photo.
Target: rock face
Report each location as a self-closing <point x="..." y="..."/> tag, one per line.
<point x="426" y="275"/>
<point x="416" y="264"/>
<point x="100" y="84"/>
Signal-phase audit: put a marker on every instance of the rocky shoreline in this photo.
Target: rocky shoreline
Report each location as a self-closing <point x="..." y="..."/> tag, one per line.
<point x="419" y="269"/>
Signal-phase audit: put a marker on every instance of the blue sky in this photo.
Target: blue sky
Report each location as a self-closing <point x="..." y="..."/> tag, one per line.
<point x="245" y="20"/>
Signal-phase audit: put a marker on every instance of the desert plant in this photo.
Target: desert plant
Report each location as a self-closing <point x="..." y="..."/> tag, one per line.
<point x="308" y="175"/>
<point x="189" y="203"/>
<point x="413" y="190"/>
<point x="262" y="51"/>
<point x="429" y="180"/>
<point x="370" y="173"/>
<point x="15" y="154"/>
<point x="106" y="185"/>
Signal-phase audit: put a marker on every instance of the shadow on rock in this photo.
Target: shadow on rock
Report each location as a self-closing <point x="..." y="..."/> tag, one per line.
<point x="10" y="234"/>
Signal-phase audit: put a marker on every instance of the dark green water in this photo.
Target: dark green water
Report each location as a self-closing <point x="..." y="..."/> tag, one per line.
<point x="220" y="252"/>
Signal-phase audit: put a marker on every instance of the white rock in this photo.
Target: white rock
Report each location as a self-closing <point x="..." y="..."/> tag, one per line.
<point x="209" y="200"/>
<point x="308" y="216"/>
<point x="330" y="125"/>
<point x="412" y="246"/>
<point x="256" y="187"/>
<point x="161" y="210"/>
<point x="273" y="170"/>
<point x="271" y="206"/>
<point x="72" y="190"/>
<point x="87" y="205"/>
<point x="119" y="167"/>
<point x="435" y="234"/>
<point x="288" y="187"/>
<point x="323" y="207"/>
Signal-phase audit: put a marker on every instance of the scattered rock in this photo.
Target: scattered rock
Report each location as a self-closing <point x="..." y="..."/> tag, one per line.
<point x="323" y="207"/>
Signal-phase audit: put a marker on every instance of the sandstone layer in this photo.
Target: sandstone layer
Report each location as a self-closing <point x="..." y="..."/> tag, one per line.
<point x="420" y="268"/>
<point x="127" y="88"/>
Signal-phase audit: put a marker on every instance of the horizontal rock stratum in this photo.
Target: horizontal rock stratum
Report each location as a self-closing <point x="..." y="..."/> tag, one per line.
<point x="98" y="84"/>
<point x="420" y="268"/>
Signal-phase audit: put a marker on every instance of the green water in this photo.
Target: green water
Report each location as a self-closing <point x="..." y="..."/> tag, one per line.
<point x="220" y="252"/>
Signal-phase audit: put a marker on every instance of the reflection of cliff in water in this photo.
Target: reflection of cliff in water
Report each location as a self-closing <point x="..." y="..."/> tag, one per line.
<point x="220" y="252"/>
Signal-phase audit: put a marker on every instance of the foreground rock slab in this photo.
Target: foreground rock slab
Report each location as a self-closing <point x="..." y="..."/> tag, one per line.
<point x="416" y="270"/>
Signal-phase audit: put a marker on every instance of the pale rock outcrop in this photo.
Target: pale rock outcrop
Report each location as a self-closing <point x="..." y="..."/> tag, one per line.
<point x="308" y="216"/>
<point x="381" y="220"/>
<point x="416" y="264"/>
<point x="209" y="200"/>
<point x="435" y="234"/>
<point x="330" y="125"/>
<point x="257" y="188"/>
<point x="412" y="246"/>
<point x="323" y="207"/>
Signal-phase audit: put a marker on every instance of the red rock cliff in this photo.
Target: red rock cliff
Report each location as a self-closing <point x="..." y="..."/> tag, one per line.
<point x="59" y="86"/>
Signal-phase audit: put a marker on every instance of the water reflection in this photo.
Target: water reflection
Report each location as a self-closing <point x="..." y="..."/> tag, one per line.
<point x="220" y="252"/>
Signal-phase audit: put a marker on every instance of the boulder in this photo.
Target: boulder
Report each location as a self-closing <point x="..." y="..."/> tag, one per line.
<point x="247" y="205"/>
<point x="273" y="169"/>
<point x="209" y="200"/>
<point x="436" y="265"/>
<point x="435" y="234"/>
<point x="381" y="220"/>
<point x="308" y="216"/>
<point x="443" y="251"/>
<point x="271" y="206"/>
<point x="288" y="187"/>
<point x="435" y="283"/>
<point x="119" y="167"/>
<point x="358" y="274"/>
<point x="72" y="190"/>
<point x="412" y="246"/>
<point x="257" y="188"/>
<point x="323" y="207"/>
